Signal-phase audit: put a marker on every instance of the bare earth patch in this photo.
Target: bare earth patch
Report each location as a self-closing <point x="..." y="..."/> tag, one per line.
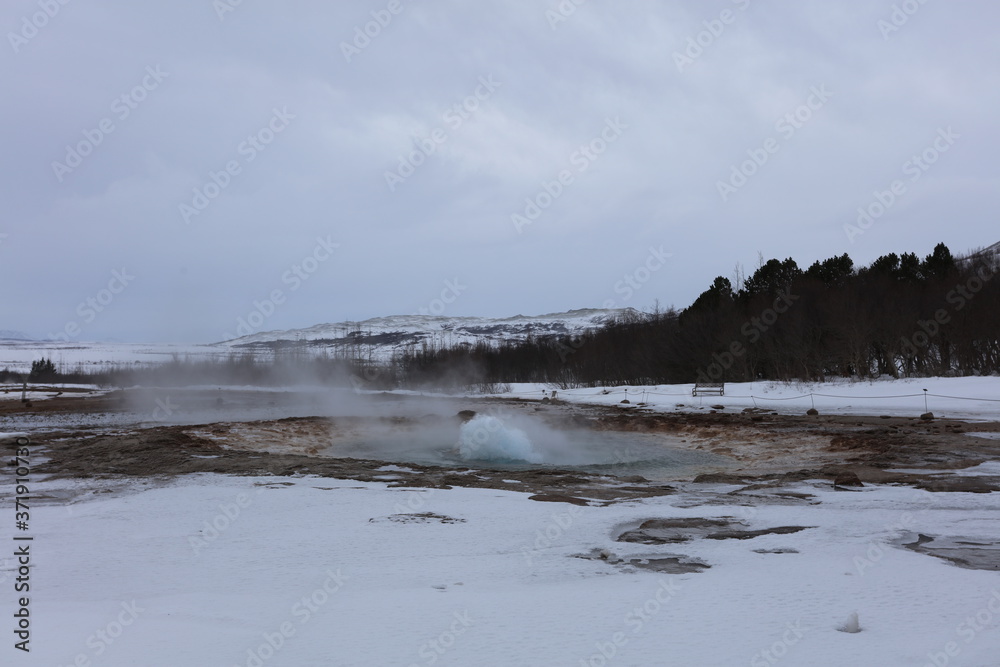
<point x="770" y="452"/>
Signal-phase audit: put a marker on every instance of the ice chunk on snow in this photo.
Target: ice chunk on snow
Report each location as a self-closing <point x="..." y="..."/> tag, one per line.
<point x="851" y="625"/>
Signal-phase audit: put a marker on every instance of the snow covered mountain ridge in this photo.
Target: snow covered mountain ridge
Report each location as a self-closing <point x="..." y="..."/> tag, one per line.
<point x="385" y="335"/>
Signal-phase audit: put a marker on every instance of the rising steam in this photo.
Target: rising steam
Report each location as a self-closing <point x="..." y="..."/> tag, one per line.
<point x="486" y="438"/>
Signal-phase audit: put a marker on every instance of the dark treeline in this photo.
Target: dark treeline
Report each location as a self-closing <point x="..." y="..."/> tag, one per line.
<point x="900" y="316"/>
<point x="246" y="368"/>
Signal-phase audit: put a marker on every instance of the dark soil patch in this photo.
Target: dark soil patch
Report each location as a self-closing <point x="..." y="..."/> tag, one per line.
<point x="422" y="517"/>
<point x="674" y="531"/>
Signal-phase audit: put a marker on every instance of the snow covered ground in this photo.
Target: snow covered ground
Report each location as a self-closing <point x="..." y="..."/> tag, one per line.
<point x="72" y="356"/>
<point x="257" y="571"/>
<point x="217" y="570"/>
<point x="954" y="398"/>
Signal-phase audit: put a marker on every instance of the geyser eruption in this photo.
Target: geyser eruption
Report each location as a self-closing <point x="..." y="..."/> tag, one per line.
<point x="486" y="438"/>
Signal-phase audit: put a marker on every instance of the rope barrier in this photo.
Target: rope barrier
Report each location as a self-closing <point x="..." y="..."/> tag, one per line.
<point x="868" y="397"/>
<point x="771" y="398"/>
<point x="645" y="392"/>
<point x="962" y="398"/>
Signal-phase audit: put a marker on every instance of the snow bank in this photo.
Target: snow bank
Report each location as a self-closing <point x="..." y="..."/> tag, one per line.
<point x="214" y="570"/>
<point x="959" y="398"/>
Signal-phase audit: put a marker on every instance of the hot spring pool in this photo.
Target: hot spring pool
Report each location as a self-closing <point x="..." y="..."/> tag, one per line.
<point x="520" y="443"/>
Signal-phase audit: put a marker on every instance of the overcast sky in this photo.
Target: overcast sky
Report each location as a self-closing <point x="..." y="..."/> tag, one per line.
<point x="171" y="167"/>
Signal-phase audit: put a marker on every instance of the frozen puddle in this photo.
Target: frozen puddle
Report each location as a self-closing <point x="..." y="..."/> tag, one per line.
<point x="662" y="563"/>
<point x="680" y="531"/>
<point x="970" y="553"/>
<point x="986" y="469"/>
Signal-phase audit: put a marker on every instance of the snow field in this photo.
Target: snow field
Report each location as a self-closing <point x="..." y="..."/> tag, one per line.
<point x="216" y="570"/>
<point x="954" y="398"/>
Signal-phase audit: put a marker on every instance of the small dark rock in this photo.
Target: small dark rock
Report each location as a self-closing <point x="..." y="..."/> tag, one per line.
<point x="927" y="416"/>
<point x="634" y="479"/>
<point x="559" y="498"/>
<point x="466" y="415"/>
<point x="812" y="412"/>
<point x="847" y="479"/>
<point x="718" y="478"/>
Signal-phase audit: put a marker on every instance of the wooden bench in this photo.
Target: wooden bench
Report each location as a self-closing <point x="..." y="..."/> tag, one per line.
<point x="709" y="388"/>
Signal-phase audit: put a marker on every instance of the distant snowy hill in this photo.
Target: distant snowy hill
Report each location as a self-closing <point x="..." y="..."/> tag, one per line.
<point x="385" y="335"/>
<point x="9" y="334"/>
